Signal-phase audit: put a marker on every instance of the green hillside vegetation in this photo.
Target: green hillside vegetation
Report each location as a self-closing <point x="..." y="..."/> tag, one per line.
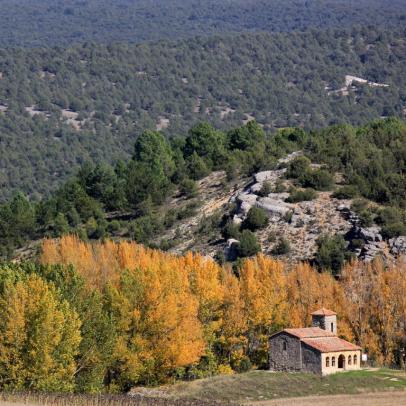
<point x="63" y="22"/>
<point x="60" y="108"/>
<point x="129" y="199"/>
<point x="262" y="385"/>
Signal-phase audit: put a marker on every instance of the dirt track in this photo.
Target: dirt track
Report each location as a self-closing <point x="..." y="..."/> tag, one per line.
<point x="365" y="399"/>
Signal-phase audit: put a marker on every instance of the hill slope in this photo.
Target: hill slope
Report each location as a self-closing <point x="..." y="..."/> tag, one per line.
<point x="63" y="22"/>
<point x="59" y="108"/>
<point x="261" y="385"/>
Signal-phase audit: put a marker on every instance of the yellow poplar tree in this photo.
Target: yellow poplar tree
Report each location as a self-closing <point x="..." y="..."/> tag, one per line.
<point x="39" y="338"/>
<point x="263" y="292"/>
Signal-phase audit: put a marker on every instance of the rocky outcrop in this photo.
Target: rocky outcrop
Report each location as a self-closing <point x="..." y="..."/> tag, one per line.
<point x="273" y="206"/>
<point x="397" y="246"/>
<point x="365" y="242"/>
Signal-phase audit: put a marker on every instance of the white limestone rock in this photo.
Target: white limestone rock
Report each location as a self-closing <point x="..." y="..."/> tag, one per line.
<point x="273" y="206"/>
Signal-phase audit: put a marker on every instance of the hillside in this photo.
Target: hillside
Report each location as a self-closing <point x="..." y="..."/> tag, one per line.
<point x="62" y="107"/>
<point x="63" y="22"/>
<point x="259" y="386"/>
<point x="323" y="196"/>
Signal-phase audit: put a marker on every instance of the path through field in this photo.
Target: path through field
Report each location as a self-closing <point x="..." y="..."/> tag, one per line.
<point x="364" y="399"/>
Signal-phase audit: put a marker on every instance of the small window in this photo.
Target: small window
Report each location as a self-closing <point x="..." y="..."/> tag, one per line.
<point x="333" y="361"/>
<point x="285" y="346"/>
<point x="332" y="327"/>
<point x="355" y="360"/>
<point x="327" y="362"/>
<point x="349" y="360"/>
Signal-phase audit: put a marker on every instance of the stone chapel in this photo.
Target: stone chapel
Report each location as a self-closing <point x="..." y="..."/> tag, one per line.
<point x="315" y="349"/>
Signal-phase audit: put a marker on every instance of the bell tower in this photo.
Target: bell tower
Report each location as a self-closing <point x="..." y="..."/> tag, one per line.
<point x="325" y="319"/>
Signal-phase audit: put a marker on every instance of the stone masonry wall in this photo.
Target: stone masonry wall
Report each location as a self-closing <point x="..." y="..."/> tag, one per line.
<point x="324" y="322"/>
<point x="284" y="360"/>
<point x="311" y="359"/>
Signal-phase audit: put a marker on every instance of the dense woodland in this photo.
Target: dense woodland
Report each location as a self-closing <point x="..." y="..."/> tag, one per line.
<point x="62" y="107"/>
<point x="129" y="199"/>
<point x="63" y="22"/>
<point x="109" y="316"/>
<point x="110" y="109"/>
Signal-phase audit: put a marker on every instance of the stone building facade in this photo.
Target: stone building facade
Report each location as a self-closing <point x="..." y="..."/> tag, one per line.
<point x="315" y="349"/>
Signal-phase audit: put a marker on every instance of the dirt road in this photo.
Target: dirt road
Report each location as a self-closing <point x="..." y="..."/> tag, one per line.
<point x="365" y="399"/>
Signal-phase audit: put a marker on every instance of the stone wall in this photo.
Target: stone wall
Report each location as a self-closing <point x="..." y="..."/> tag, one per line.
<point x="325" y="322"/>
<point x="332" y="369"/>
<point x="311" y="359"/>
<point x="284" y="353"/>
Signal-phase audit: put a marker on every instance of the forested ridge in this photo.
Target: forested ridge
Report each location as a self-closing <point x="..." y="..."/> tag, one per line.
<point x="130" y="199"/>
<point x="63" y="22"/>
<point x="62" y="107"/>
<point x="107" y="316"/>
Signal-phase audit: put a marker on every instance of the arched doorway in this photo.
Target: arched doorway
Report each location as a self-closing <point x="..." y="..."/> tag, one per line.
<point x="341" y="361"/>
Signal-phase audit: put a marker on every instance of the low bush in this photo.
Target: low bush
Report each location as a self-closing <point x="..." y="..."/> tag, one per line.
<point x="346" y="192"/>
<point x="282" y="247"/>
<point x="265" y="189"/>
<point x="319" y="179"/>
<point x="301" y="195"/>
<point x="257" y="218"/>
<point x="248" y="245"/>
<point x="393" y="230"/>
<point x="332" y="253"/>
<point x="298" y="167"/>
<point x="188" y="188"/>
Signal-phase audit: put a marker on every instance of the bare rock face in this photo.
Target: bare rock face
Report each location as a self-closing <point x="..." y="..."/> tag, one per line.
<point x="370" y="234"/>
<point x="245" y="202"/>
<point x="256" y="187"/>
<point x="398" y="245"/>
<point x="247" y="198"/>
<point x="273" y="206"/>
<point x="264" y="176"/>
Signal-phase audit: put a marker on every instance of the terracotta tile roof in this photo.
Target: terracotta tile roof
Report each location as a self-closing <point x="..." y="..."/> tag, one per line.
<point x="309" y="332"/>
<point x="330" y="344"/>
<point x="324" y="312"/>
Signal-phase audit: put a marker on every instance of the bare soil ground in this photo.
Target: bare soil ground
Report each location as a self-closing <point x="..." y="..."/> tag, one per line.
<point x="365" y="399"/>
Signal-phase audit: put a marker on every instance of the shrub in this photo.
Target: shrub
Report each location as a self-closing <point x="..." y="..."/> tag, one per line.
<point x="298" y="167"/>
<point x="393" y="230"/>
<point x="272" y="236"/>
<point x="170" y="218"/>
<point x="279" y="186"/>
<point x="114" y="226"/>
<point x="257" y="218"/>
<point x="241" y="364"/>
<point x="346" y="192"/>
<point x="248" y="245"/>
<point x="301" y="195"/>
<point x="366" y="218"/>
<point x="265" y="190"/>
<point x="231" y="230"/>
<point x="359" y="204"/>
<point x="389" y="215"/>
<point x="282" y="247"/>
<point x="319" y="179"/>
<point x="331" y="253"/>
<point x="188" y="188"/>
<point x="188" y="211"/>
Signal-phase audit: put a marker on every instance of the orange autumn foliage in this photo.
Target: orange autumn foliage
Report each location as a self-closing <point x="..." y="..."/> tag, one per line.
<point x="177" y="307"/>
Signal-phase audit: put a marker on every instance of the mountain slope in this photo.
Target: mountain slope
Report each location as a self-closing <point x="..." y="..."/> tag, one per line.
<point x="60" y="108"/>
<point x="63" y="22"/>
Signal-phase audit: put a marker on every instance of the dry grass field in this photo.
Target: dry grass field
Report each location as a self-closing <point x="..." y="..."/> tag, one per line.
<point x="263" y="386"/>
<point x="374" y="387"/>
